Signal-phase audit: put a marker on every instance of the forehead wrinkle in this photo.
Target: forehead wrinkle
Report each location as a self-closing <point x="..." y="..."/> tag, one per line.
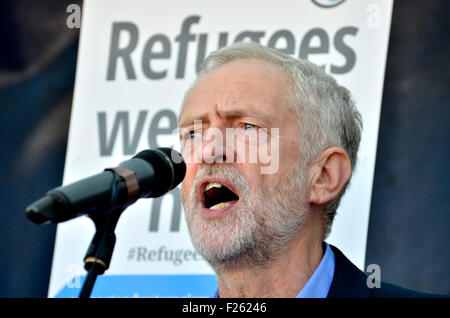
<point x="190" y="120"/>
<point x="238" y="102"/>
<point x="233" y="99"/>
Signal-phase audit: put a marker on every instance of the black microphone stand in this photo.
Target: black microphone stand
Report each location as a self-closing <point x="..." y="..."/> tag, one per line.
<point x="99" y="254"/>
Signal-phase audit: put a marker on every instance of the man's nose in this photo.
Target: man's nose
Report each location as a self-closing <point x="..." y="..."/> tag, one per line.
<point x="215" y="148"/>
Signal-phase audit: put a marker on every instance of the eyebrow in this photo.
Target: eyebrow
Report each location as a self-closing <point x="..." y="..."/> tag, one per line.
<point x="249" y="112"/>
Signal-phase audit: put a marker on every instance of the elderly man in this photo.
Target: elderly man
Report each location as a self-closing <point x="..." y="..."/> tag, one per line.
<point x="263" y="233"/>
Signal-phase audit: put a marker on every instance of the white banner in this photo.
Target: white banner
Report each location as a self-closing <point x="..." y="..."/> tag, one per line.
<point x="137" y="58"/>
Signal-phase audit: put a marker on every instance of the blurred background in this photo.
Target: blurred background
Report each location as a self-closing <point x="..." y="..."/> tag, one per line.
<point x="409" y="223"/>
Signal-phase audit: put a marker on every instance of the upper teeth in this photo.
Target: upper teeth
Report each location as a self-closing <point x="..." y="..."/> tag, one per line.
<point x="213" y="185"/>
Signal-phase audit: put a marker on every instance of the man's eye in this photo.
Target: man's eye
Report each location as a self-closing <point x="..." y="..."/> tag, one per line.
<point x="191" y="134"/>
<point x="249" y="126"/>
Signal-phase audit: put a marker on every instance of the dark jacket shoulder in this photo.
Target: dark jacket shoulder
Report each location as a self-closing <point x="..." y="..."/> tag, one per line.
<point x="350" y="282"/>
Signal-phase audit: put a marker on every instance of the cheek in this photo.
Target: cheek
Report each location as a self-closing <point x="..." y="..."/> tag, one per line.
<point x="289" y="153"/>
<point x="188" y="181"/>
<point x="252" y="174"/>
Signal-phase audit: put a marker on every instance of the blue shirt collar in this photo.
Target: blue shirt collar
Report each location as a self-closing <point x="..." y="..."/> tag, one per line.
<point x="319" y="283"/>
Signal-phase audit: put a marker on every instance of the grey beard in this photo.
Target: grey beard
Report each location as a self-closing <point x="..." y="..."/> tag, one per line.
<point x="259" y="232"/>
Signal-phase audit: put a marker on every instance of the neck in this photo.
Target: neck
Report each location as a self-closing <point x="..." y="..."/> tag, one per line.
<point x="285" y="276"/>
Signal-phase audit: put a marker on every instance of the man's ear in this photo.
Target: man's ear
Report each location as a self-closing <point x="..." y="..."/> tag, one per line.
<point x="328" y="174"/>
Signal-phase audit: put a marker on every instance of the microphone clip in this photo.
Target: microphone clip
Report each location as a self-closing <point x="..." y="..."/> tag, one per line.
<point x="99" y="253"/>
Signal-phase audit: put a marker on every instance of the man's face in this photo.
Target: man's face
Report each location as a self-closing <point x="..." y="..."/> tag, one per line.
<point x="236" y="215"/>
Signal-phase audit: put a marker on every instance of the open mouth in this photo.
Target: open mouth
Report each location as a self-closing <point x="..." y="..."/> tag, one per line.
<point x="216" y="196"/>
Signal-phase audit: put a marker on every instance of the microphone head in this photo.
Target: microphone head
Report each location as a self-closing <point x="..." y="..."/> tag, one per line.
<point x="42" y="210"/>
<point x="169" y="167"/>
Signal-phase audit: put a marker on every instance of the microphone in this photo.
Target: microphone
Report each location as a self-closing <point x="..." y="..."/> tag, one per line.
<point x="150" y="173"/>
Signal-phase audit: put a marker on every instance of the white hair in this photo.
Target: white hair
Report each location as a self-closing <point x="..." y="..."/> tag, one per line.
<point x="325" y="110"/>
